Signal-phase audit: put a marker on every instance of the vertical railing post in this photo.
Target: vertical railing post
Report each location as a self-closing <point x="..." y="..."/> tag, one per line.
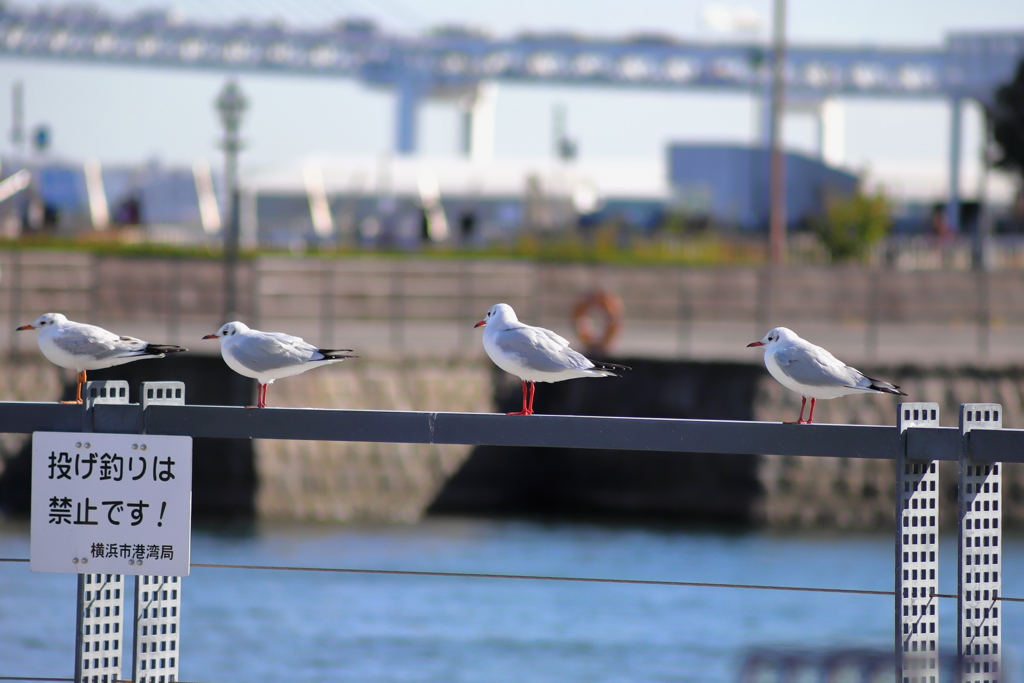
<point x="327" y="302"/>
<point x="685" y="312"/>
<point x="465" y="306"/>
<point x="174" y="317"/>
<point x="872" y="314"/>
<point x="157" y="623"/>
<point x="397" y="307"/>
<point x="979" y="550"/>
<point x="100" y="601"/>
<point x="16" y="290"/>
<point x="917" y="536"/>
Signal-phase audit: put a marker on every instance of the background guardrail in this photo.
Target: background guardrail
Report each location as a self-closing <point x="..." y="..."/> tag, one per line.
<point x="418" y="306"/>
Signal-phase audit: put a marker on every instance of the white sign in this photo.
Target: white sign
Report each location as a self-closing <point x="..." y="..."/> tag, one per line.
<point x="111" y="503"/>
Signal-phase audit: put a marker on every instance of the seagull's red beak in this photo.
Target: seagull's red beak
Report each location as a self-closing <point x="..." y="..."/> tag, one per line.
<point x="480" y="324"/>
<point x="211" y="336"/>
<point x="755" y="344"/>
<point x="25" y="327"/>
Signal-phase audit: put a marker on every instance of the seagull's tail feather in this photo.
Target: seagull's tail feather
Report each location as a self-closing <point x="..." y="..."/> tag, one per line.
<point x="884" y="387"/>
<point x="609" y="369"/>
<point x="335" y="354"/>
<point x="159" y="349"/>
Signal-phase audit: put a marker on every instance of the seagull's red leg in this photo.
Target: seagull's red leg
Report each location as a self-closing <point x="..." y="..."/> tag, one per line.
<point x="263" y="396"/>
<point x="533" y="388"/>
<point x="800" y="420"/>
<point x="260" y="397"/>
<point x="78" y="393"/>
<point x="811" y="415"/>
<point x="525" y="410"/>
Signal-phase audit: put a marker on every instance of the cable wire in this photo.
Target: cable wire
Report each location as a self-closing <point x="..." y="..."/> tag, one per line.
<point x="540" y="577"/>
<point x="535" y="577"/>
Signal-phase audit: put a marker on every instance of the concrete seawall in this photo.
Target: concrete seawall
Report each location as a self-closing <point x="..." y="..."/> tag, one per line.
<point x="327" y="481"/>
<point x="770" y="490"/>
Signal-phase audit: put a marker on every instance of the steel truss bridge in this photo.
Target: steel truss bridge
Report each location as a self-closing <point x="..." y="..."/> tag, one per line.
<point x="456" y="62"/>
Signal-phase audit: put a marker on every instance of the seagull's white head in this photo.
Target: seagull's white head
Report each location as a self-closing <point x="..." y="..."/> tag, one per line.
<point x="228" y="330"/>
<point x="779" y="334"/>
<point x="498" y="312"/>
<point x="45" y="320"/>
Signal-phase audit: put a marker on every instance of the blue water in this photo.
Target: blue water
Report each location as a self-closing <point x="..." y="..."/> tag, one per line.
<point x="250" y="626"/>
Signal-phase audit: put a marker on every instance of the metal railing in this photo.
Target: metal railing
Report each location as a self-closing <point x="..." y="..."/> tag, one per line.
<point x="979" y="445"/>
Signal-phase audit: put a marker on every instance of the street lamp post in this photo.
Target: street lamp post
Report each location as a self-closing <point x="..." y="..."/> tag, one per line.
<point x="777" y="174"/>
<point x="231" y="104"/>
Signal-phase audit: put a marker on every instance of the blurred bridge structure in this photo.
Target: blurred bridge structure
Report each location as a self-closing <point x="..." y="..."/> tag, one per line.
<point x="462" y="63"/>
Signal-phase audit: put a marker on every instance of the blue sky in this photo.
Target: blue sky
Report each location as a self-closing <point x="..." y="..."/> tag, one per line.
<point x="127" y="115"/>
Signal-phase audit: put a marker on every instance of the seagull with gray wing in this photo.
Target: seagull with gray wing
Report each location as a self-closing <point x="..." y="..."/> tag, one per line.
<point x="534" y="354"/>
<point x="82" y="347"/>
<point x="266" y="356"/>
<point x="813" y="372"/>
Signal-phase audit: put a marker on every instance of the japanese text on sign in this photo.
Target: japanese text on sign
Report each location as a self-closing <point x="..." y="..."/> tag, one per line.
<point x="107" y="467"/>
<point x="111" y="502"/>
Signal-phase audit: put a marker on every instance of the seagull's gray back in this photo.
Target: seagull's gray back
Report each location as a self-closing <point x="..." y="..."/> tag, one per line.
<point x="540" y="349"/>
<point x="78" y="339"/>
<point x="267" y="351"/>
<point x="813" y="366"/>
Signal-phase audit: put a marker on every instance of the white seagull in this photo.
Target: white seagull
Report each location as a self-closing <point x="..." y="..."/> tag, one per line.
<point x="82" y="347"/>
<point x="534" y="354"/>
<point x="266" y="356"/>
<point x="813" y="372"/>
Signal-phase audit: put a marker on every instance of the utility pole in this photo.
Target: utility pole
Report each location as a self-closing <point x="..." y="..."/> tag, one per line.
<point x="18" y="117"/>
<point x="231" y="104"/>
<point x="983" y="231"/>
<point x="777" y="163"/>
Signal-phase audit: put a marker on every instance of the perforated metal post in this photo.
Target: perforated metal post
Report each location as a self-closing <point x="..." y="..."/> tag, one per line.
<point x="163" y="394"/>
<point x="98" y="632"/>
<point x="980" y="544"/>
<point x="157" y="624"/>
<point x="917" y="566"/>
<point x="108" y="391"/>
<point x="158" y="598"/>
<point x="98" y="636"/>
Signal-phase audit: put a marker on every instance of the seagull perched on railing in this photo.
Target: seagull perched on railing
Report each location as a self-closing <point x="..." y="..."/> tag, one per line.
<point x="266" y="356"/>
<point x="534" y="354"/>
<point x="82" y="347"/>
<point x="813" y="372"/>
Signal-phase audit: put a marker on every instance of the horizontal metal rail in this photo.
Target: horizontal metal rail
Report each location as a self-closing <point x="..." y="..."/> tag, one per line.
<point x="979" y="445"/>
<point x="550" y="431"/>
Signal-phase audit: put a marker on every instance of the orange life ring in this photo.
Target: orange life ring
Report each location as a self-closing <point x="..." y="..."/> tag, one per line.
<point x="608" y="306"/>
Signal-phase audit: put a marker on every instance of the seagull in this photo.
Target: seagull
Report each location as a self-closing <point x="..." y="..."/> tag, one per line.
<point x="534" y="354"/>
<point x="266" y="356"/>
<point x="82" y="347"/>
<point x="813" y="372"/>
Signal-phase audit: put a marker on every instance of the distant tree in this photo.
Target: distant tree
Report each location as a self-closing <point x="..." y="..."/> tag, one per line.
<point x="1006" y="116"/>
<point x="851" y="226"/>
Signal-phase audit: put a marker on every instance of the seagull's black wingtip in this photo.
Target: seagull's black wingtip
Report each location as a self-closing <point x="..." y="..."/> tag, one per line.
<point x="163" y="348"/>
<point x="611" y="366"/>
